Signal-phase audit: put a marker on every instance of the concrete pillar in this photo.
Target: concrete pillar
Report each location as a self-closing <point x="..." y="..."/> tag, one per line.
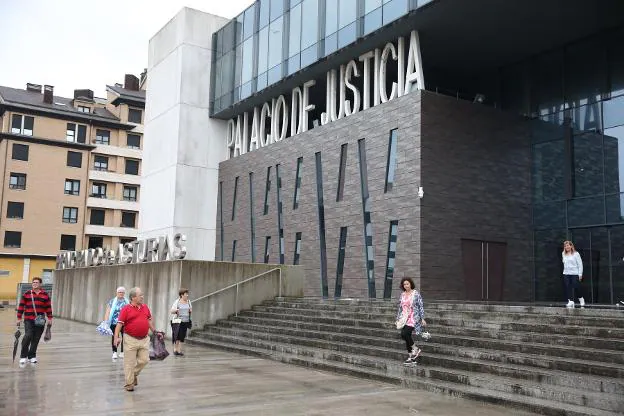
<point x="183" y="145"/>
<point x="26" y="270"/>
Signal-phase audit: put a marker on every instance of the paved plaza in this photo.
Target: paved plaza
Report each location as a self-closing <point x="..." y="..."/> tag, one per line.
<point x="76" y="376"/>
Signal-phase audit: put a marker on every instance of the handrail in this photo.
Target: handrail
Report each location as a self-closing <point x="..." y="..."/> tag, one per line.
<point x="216" y="292"/>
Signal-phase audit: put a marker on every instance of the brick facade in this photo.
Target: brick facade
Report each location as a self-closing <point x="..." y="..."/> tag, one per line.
<point x="470" y="153"/>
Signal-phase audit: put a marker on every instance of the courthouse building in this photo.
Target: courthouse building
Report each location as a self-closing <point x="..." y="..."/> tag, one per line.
<point x="455" y="142"/>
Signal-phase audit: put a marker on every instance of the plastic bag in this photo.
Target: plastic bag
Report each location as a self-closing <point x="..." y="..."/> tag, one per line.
<point x="104" y="328"/>
<point x="48" y="333"/>
<point x="157" y="350"/>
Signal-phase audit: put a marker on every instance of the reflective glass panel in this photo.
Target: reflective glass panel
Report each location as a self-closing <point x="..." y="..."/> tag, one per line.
<point x="247" y="69"/>
<point x="587" y="165"/>
<point x="263" y="50"/>
<point x="614" y="159"/>
<point x="264" y="13"/>
<point x="248" y="28"/>
<point x="347" y="12"/>
<point x="294" y="39"/>
<point x="277" y="9"/>
<point x="586" y="211"/>
<point x="331" y="17"/>
<point x="613" y="112"/>
<point x="309" y="24"/>
<point x="275" y="42"/>
<point x="370" y="5"/>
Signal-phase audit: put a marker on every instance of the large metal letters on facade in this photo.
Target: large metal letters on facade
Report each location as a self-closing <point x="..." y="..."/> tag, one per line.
<point x="279" y="115"/>
<point x="139" y="251"/>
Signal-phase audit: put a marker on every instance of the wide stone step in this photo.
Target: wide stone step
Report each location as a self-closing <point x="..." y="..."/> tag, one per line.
<point x="497" y="390"/>
<point x="549" y="377"/>
<point x="558" y="308"/>
<point x="494" y="333"/>
<point x="572" y="330"/>
<point x="553" y="319"/>
<point x="494" y="344"/>
<point x="392" y="349"/>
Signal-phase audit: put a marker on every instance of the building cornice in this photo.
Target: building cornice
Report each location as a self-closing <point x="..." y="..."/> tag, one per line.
<point x="47" y="142"/>
<point x="63" y="115"/>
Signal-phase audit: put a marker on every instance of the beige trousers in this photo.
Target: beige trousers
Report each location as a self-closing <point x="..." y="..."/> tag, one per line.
<point x="136" y="356"/>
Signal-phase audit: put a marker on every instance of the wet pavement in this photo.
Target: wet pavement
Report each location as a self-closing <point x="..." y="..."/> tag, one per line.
<point x="76" y="376"/>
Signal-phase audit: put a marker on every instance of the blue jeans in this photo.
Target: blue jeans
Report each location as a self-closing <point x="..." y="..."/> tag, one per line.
<point x="572" y="283"/>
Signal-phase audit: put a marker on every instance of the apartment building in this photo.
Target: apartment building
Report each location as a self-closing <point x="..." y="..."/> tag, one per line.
<point x="70" y="175"/>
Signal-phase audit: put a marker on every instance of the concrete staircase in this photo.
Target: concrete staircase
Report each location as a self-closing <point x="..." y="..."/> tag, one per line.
<point x="546" y="360"/>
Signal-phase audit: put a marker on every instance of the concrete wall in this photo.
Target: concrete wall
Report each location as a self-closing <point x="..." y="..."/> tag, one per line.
<point x="81" y="294"/>
<point x="182" y="144"/>
<point x="476" y="171"/>
<point x="401" y="203"/>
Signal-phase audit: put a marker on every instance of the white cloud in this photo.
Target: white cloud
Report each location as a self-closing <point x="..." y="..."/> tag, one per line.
<point x="74" y="44"/>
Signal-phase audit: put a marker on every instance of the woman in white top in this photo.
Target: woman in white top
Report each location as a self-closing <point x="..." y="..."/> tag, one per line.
<point x="572" y="273"/>
<point x="180" y="320"/>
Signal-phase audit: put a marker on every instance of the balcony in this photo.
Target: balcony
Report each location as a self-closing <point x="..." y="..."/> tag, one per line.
<point x="111" y="231"/>
<point x="128" y="152"/>
<point x="94" y="202"/>
<point x="105" y="176"/>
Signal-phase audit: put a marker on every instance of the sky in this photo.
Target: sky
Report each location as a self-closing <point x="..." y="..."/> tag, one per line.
<point x="86" y="44"/>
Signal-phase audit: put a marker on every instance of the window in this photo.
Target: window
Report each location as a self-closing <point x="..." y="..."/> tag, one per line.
<point x="342" y="246"/>
<point x="130" y="193"/>
<point x="96" y="241"/>
<point x="390" y="258"/>
<point x="134" y="115"/>
<point x="102" y="136"/>
<point x="100" y="163"/>
<point x="20" y="151"/>
<point x="68" y="242"/>
<point x="234" y="199"/>
<point x="74" y="159"/>
<point x="12" y="239"/>
<point x="233" y="250"/>
<point x="22" y="125"/>
<point x="392" y="161"/>
<point x="297" y="249"/>
<point x="15" y="210"/>
<point x="366" y="214"/>
<point x="98" y="190"/>
<point x="98" y="217"/>
<point x="133" y="141"/>
<point x="126" y="240"/>
<point x="84" y="109"/>
<point x="132" y="167"/>
<point x="76" y="133"/>
<point x="128" y="219"/>
<point x="252" y="221"/>
<point x="17" y="181"/>
<point x="267" y="248"/>
<point x="297" y="183"/>
<point x="341" y="172"/>
<point x="70" y="215"/>
<point x="280" y="221"/>
<point x="72" y="187"/>
<point x="320" y="209"/>
<point x="266" y="191"/>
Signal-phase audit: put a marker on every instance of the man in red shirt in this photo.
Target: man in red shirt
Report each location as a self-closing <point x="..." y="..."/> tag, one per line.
<point x="35" y="302"/>
<point x="136" y="320"/>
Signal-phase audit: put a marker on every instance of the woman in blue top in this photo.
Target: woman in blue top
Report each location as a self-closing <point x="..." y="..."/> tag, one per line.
<point x="113" y="307"/>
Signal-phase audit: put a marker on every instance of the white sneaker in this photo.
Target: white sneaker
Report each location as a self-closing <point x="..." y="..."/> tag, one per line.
<point x="114" y="356"/>
<point x="120" y="355"/>
<point x="33" y="361"/>
<point x="582" y="302"/>
<point x="570" y="304"/>
<point x="22" y="362"/>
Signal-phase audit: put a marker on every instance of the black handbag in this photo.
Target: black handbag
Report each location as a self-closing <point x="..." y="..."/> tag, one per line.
<point x="40" y="320"/>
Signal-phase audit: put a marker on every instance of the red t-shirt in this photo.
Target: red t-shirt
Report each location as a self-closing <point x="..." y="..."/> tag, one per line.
<point x="135" y="320"/>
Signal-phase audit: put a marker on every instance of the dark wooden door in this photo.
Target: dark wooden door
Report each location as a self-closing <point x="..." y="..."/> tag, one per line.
<point x="472" y="259"/>
<point x="484" y="269"/>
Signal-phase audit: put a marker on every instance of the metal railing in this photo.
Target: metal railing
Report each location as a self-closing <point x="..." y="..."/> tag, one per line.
<point x="236" y="285"/>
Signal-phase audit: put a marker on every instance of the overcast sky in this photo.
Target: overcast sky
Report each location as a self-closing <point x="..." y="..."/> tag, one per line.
<point x="75" y="44"/>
